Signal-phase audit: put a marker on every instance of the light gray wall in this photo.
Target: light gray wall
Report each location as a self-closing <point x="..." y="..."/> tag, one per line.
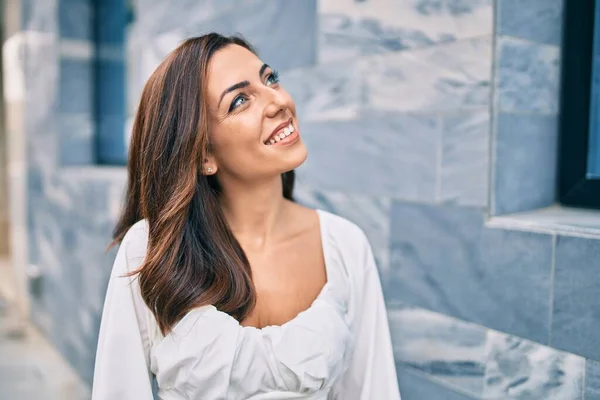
<point x="422" y="118"/>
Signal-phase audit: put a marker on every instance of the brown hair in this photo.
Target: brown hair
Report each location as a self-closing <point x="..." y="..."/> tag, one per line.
<point x="192" y="258"/>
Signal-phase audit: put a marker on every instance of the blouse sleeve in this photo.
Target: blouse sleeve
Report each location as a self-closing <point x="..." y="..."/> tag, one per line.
<point x="121" y="367"/>
<point x="372" y="370"/>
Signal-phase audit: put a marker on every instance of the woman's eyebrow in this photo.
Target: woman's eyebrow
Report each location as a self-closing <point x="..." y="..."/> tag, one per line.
<point x="262" y="69"/>
<point x="241" y="84"/>
<point x="231" y="88"/>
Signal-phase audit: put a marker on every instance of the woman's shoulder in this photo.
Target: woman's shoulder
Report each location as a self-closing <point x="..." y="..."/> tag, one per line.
<point x="137" y="232"/>
<point x="346" y="244"/>
<point x="135" y="242"/>
<point x="343" y="231"/>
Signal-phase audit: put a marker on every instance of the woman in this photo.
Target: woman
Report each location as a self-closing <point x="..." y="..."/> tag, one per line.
<point x="223" y="287"/>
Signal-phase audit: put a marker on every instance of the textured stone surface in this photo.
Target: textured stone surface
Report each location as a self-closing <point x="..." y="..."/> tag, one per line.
<point x="398" y="100"/>
<point x="30" y="368"/>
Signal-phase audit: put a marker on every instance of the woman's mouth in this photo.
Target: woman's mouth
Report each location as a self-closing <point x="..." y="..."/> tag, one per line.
<point x="284" y="135"/>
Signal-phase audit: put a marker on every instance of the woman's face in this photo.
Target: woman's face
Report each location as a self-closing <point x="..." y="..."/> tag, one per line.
<point x="253" y="128"/>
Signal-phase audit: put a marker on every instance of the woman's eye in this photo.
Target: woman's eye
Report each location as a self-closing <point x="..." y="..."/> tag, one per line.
<point x="273" y="78"/>
<point x="238" y="101"/>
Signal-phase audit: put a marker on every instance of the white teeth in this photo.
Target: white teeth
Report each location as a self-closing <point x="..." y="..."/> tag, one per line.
<point x="287" y="131"/>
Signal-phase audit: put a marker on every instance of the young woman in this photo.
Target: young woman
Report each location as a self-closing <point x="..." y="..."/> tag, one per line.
<point x="223" y="287"/>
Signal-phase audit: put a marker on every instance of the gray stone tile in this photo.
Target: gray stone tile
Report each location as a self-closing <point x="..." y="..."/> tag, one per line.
<point x="41" y="99"/>
<point x="75" y="19"/>
<point x="593" y="156"/>
<point x="325" y="93"/>
<point x="576" y="315"/>
<point x="290" y="41"/>
<point x="472" y="17"/>
<point x="154" y="17"/>
<point x="465" y="159"/>
<point x="447" y="349"/>
<point x="40" y="16"/>
<point x="110" y="96"/>
<point x="448" y="78"/>
<point x="463" y="7"/>
<point x="76" y="86"/>
<point x="520" y="369"/>
<point x="527" y="76"/>
<point x="525" y="163"/>
<point x="71" y="228"/>
<point x="31" y="369"/>
<point x="445" y="260"/>
<point x="76" y="139"/>
<point x="370" y="213"/>
<point x="110" y="143"/>
<point x="536" y="20"/>
<point x="111" y="18"/>
<point x="592" y="380"/>
<point x="349" y="28"/>
<point x="416" y="386"/>
<point x="393" y="155"/>
<point x="110" y="107"/>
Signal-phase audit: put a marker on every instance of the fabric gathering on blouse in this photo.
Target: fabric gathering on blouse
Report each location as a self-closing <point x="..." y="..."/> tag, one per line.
<point x="339" y="348"/>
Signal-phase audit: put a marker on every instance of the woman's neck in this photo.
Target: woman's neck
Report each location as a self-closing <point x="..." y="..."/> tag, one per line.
<point x="254" y="212"/>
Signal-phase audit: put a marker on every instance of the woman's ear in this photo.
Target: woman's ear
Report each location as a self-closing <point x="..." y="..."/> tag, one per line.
<point x="209" y="166"/>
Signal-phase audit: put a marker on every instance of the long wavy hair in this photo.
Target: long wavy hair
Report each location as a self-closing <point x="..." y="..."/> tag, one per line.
<point x="192" y="258"/>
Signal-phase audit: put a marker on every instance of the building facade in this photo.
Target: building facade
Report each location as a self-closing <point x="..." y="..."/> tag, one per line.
<point x="432" y="124"/>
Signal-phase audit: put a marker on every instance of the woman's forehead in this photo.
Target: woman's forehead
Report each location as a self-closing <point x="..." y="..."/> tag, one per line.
<point x="231" y="65"/>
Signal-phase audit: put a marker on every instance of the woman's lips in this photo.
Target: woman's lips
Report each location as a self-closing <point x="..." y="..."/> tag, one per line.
<point x="288" y="140"/>
<point x="285" y="134"/>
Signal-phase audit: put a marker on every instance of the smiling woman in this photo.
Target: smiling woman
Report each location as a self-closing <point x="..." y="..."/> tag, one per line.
<point x="248" y="108"/>
<point x="223" y="287"/>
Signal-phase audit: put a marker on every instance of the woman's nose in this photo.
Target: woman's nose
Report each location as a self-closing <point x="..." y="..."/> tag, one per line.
<point x="276" y="103"/>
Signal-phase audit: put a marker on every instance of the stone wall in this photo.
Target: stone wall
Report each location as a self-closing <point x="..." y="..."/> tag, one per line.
<point x="423" y="119"/>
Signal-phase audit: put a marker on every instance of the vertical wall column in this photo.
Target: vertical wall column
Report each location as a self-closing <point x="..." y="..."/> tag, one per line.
<point x="110" y="111"/>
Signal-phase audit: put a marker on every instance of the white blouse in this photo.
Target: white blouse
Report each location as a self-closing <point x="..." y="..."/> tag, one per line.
<point x="339" y="348"/>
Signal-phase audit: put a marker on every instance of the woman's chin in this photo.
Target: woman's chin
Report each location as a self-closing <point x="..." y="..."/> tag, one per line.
<point x="297" y="157"/>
